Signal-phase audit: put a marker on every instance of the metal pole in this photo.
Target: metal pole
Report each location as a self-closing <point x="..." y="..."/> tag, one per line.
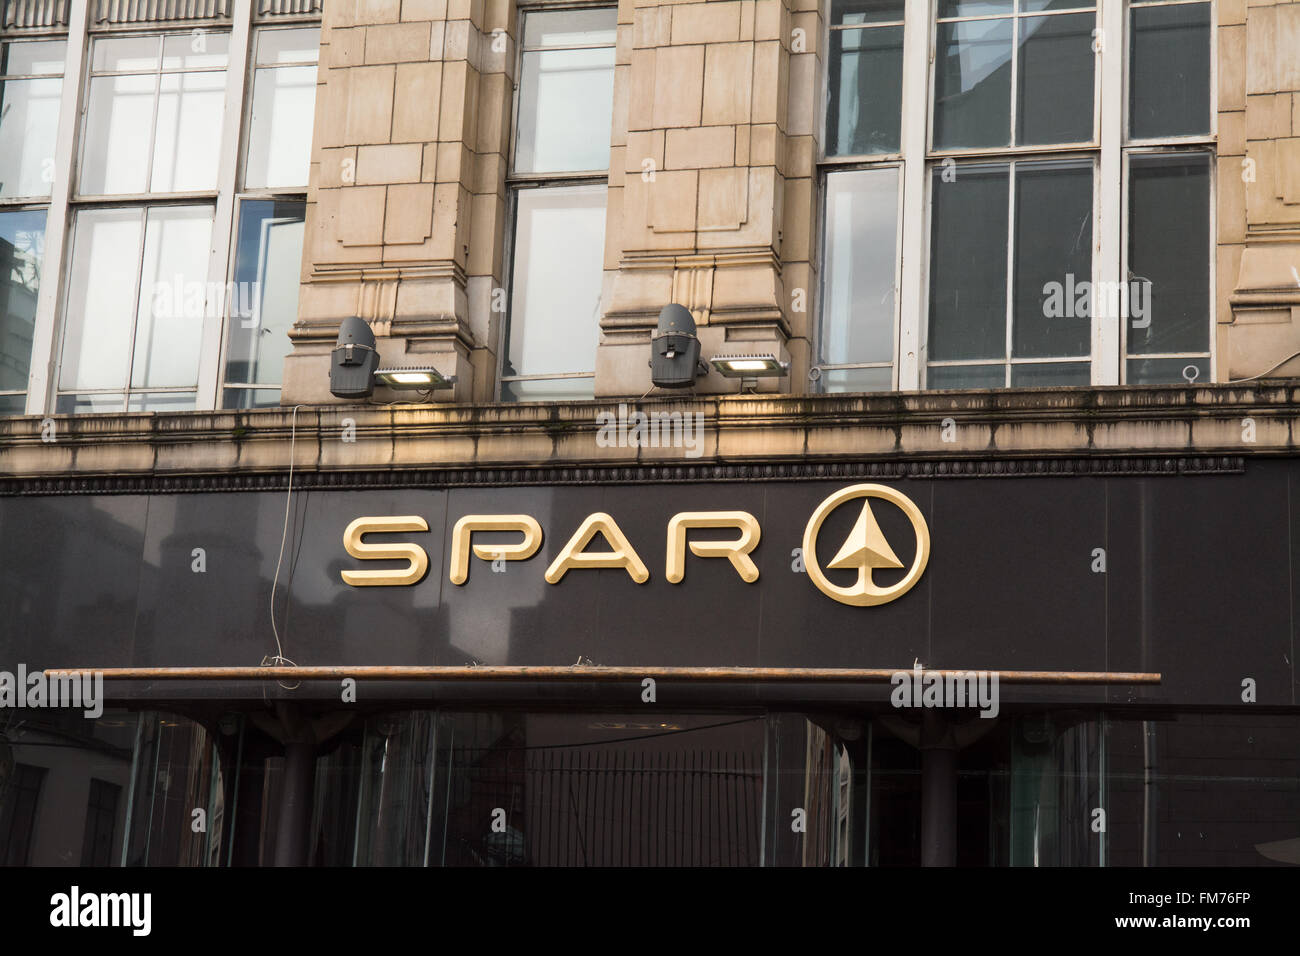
<point x="938" y="791"/>
<point x="587" y="673"/>
<point x="293" y="824"/>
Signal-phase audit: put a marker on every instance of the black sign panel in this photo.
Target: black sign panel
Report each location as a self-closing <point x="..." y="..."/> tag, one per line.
<point x="1195" y="577"/>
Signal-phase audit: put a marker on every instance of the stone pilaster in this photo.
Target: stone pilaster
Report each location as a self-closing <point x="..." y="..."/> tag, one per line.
<point x="406" y="209"/>
<point x="1258" y="187"/>
<point x="703" y="210"/>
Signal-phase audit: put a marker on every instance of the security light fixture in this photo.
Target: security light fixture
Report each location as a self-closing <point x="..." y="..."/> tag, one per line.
<point x="423" y="378"/>
<point x="354" y="360"/>
<point x="675" y="349"/>
<point x="749" y="367"/>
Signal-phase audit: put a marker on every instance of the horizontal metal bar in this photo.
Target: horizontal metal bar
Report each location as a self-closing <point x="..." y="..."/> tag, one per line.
<point x="588" y="673"/>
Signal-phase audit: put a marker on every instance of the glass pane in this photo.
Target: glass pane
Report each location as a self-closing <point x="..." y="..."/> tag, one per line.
<point x="176" y="772"/>
<point x="566" y="101"/>
<point x="187" y="141"/>
<point x="22" y="246"/>
<point x="866" y="91"/>
<point x="288" y="46"/>
<point x="43" y="58"/>
<point x="973" y="8"/>
<point x="280" y="130"/>
<point x="549" y="390"/>
<point x="264" y="300"/>
<point x="200" y="49"/>
<point x="1032" y="6"/>
<point x="121" y="54"/>
<point x="251" y="398"/>
<point x="1053" y="267"/>
<point x="119" y="119"/>
<point x="972" y="84"/>
<point x="88" y="404"/>
<point x="861" y="231"/>
<point x="968" y="264"/>
<point x="1175" y="371"/>
<point x="571" y="28"/>
<point x="161" y="402"/>
<point x="102" y="289"/>
<point x="29" y="126"/>
<point x="856" y="380"/>
<point x="555" y="292"/>
<point x="1051" y="373"/>
<point x="966" y="376"/>
<point x="866" y="11"/>
<point x="1169" y="64"/>
<point x="1169" y="242"/>
<point x="13" y="404"/>
<point x="1055" y="83"/>
<point x="174" y="296"/>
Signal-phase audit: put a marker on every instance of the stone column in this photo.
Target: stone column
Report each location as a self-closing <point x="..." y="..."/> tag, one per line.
<point x="1258" y="186"/>
<point x="711" y="197"/>
<point x="406" y="208"/>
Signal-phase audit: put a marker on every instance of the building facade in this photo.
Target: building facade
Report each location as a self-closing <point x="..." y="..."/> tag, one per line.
<point x="1017" y="285"/>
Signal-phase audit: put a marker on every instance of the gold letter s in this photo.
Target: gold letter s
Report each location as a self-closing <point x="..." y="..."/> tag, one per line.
<point x="376" y="552"/>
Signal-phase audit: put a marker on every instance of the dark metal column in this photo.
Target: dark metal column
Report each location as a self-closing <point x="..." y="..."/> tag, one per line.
<point x="293" y="823"/>
<point x="938" y="790"/>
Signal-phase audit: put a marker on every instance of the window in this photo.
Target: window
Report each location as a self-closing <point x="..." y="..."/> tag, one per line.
<point x="31" y="84"/>
<point x="985" y="247"/>
<point x="558" y="186"/>
<point x="29" y="116"/>
<point x="266" y="265"/>
<point x="153" y="291"/>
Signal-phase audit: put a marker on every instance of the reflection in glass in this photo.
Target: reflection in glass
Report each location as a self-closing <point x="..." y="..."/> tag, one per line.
<point x="280" y="129"/>
<point x="1050" y="374"/>
<point x="105" y="272"/>
<point x="555" y="290"/>
<point x="852" y="12"/>
<point x="859" y="304"/>
<point x="566" y="101"/>
<point x="866" y="91"/>
<point x="1055" y="80"/>
<point x="1169" y="243"/>
<point x="968" y="263"/>
<point x="29" y="118"/>
<point x="118" y="122"/>
<point x="966" y="376"/>
<point x="1169" y="69"/>
<point x="187" y="132"/>
<point x="22" y="246"/>
<point x="972" y="84"/>
<point x="560" y="28"/>
<point x="263" y="302"/>
<point x="173" y="299"/>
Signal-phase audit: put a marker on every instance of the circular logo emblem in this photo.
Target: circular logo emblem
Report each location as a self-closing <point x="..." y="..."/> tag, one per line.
<point x="866" y="548"/>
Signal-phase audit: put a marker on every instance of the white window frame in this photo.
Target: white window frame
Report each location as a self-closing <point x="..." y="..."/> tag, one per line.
<point x="516" y="182"/>
<point x="42" y="386"/>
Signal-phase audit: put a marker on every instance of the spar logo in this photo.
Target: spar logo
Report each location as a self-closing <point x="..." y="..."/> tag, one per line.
<point x="518" y="538"/>
<point x="866" y="548"/>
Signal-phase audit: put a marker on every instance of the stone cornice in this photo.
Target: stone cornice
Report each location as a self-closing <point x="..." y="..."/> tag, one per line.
<point x="1148" y="430"/>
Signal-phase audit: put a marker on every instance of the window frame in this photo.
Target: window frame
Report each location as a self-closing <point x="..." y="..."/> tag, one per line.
<point x="1109" y="151"/>
<point x="516" y="182"/>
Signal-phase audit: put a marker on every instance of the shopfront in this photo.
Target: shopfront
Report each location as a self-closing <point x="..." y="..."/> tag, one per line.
<point x="1169" y="584"/>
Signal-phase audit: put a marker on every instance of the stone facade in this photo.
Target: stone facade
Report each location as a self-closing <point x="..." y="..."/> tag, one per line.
<point x="713" y="186"/>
